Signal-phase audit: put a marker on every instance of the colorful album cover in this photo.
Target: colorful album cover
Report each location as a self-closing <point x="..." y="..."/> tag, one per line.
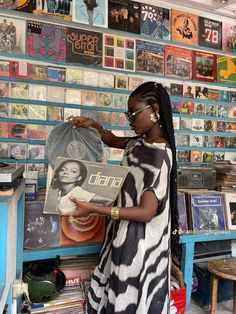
<point x="104" y="117"/>
<point x="55" y="94"/>
<point x="18" y="151"/>
<point x="176" y="89"/>
<point x="17" y="130"/>
<point x="118" y="52"/>
<point x="93" y="13"/>
<point x="124" y="15"/>
<point x="20" y="69"/>
<point x="229" y="37"/>
<point x="188" y="90"/>
<point x="38" y="72"/>
<point x="219" y="141"/>
<point x="19" y="90"/>
<point x="178" y="62"/>
<point x="4" y="110"/>
<point x="224" y="95"/>
<point x="204" y="66"/>
<point x="220" y="126"/>
<point x="74" y="76"/>
<point x="40" y="230"/>
<point x="118" y="118"/>
<point x="68" y="112"/>
<point x="195" y="156"/>
<point x="231" y="127"/>
<point x="230" y="142"/>
<point x="199" y="109"/>
<point x="91" y="78"/>
<point x="46" y="41"/>
<point x="88" y="98"/>
<point x="56" y="74"/>
<point x="4" y="130"/>
<point x="37" y="92"/>
<point x="56" y="9"/>
<point x="155" y="21"/>
<point x="4" y="68"/>
<point x="55" y="113"/>
<point x="210" y="33"/>
<point x="210" y="110"/>
<point x="210" y="126"/>
<point x="183" y="155"/>
<point x="219" y="156"/>
<point x="201" y="92"/>
<point x="120" y="101"/>
<point x="4" y="89"/>
<point x="121" y="82"/>
<point x="18" y="111"/>
<point x="176" y="122"/>
<point x="231" y="111"/>
<point x="185" y="107"/>
<point x="213" y="94"/>
<point x="12" y="35"/>
<point x="196" y="140"/>
<point x="197" y="124"/>
<point x="106" y="80"/>
<point x="233" y="96"/>
<point x="36" y="132"/>
<point x="208" y="157"/>
<point x="207" y="211"/>
<point x="84" y="47"/>
<point x="134" y="82"/>
<point x="149" y="57"/>
<point x="37" y="112"/>
<point x="175" y="105"/>
<point x="226" y="70"/>
<point x="36" y="151"/>
<point x="184" y="27"/>
<point x="186" y="123"/>
<point x="4" y="150"/>
<point x="105" y="100"/>
<point x="208" y="141"/>
<point x="72" y="96"/>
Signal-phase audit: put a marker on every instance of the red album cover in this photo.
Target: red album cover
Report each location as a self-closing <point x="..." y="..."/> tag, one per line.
<point x="4" y="68"/>
<point x="204" y="66"/>
<point x="20" y="69"/>
<point x="178" y="62"/>
<point x="17" y="130"/>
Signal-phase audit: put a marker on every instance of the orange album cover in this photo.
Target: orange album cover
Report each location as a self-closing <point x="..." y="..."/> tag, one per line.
<point x="184" y="27"/>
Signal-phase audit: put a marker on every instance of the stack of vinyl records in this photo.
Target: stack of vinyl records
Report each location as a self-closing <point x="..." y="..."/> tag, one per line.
<point x="225" y="175"/>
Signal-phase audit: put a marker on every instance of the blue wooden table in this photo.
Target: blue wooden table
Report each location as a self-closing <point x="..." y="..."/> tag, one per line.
<point x="188" y="241"/>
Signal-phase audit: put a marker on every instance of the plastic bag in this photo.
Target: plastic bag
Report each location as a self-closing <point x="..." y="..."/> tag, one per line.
<point x="178" y="301"/>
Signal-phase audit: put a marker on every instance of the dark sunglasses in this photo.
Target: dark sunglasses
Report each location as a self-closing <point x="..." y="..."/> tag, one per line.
<point x="130" y="115"/>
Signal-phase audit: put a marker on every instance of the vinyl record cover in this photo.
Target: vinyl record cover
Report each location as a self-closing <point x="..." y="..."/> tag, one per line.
<point x="222" y="111"/>
<point x="74" y="76"/>
<point x="4" y="68"/>
<point x="46" y="41"/>
<point x="55" y="113"/>
<point x="91" y="78"/>
<point x="120" y="101"/>
<point x="20" y="69"/>
<point x="224" y="95"/>
<point x="37" y="92"/>
<point x="189" y="90"/>
<point x="226" y="70"/>
<point x="56" y="74"/>
<point x="18" y="111"/>
<point x="19" y="90"/>
<point x="38" y="72"/>
<point x="210" y="33"/>
<point x="134" y="82"/>
<point x="149" y="57"/>
<point x="199" y="109"/>
<point x="4" y="110"/>
<point x="105" y="100"/>
<point x="72" y="96"/>
<point x="68" y="112"/>
<point x="17" y="130"/>
<point x="93" y="13"/>
<point x="124" y="15"/>
<point x="106" y="80"/>
<point x="36" y="132"/>
<point x="26" y="5"/>
<point x="37" y="112"/>
<point x="208" y="157"/>
<point x="195" y="156"/>
<point x="155" y="21"/>
<point x="118" y="118"/>
<point x="56" y="94"/>
<point x="36" y="151"/>
<point x="18" y="151"/>
<point x="176" y="89"/>
<point x="4" y="130"/>
<point x="213" y="94"/>
<point x="121" y="82"/>
<point x="12" y="33"/>
<point x="204" y="66"/>
<point x="183" y="156"/>
<point x="104" y="117"/>
<point x="59" y="9"/>
<point x="184" y="27"/>
<point x="4" y="150"/>
<point x="4" y="89"/>
<point x="229" y="37"/>
<point x="89" y="98"/>
<point x="84" y="47"/>
<point x="178" y="62"/>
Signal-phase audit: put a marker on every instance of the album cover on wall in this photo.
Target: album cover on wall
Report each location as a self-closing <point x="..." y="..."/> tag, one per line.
<point x="8" y="4"/>
<point x="183" y="156"/>
<point x="36" y="132"/>
<point x="68" y="112"/>
<point x="84" y="47"/>
<point x="4" y="130"/>
<point x="93" y="13"/>
<point x="56" y="94"/>
<point x="105" y="100"/>
<point x="195" y="156"/>
<point x="88" y="98"/>
<point x="59" y="9"/>
<point x="149" y="57"/>
<point x="19" y="90"/>
<point x="74" y="76"/>
<point x="155" y="21"/>
<point x="17" y="130"/>
<point x="121" y="82"/>
<point x="226" y="73"/>
<point x="204" y="66"/>
<point x="4" y="110"/>
<point x="120" y="101"/>
<point x="230" y="210"/>
<point x="210" y="33"/>
<point x="199" y="109"/>
<point x="37" y="112"/>
<point x="55" y="113"/>
<point x="36" y="151"/>
<point x="106" y="80"/>
<point x="4" y="150"/>
<point x="12" y="33"/>
<point x="37" y="92"/>
<point x="56" y="74"/>
<point x="124" y="15"/>
<point x="224" y="95"/>
<point x="4" y="89"/>
<point x="134" y="82"/>
<point x="189" y="90"/>
<point x="176" y="89"/>
<point x="38" y="72"/>
<point x="20" y="69"/>
<point x="46" y="41"/>
<point x="184" y="27"/>
<point x="18" y="151"/>
<point x="229" y="37"/>
<point x="18" y="111"/>
<point x="72" y="96"/>
<point x="213" y="94"/>
<point x="91" y="78"/>
<point x="178" y="62"/>
<point x="4" y="68"/>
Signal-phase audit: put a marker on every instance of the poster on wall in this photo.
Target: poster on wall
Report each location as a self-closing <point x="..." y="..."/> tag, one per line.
<point x="118" y="52"/>
<point x="149" y="57"/>
<point x="155" y="21"/>
<point x="46" y="41"/>
<point x="84" y="47"/>
<point x="229" y="37"/>
<point x="93" y="13"/>
<point x="124" y="15"/>
<point x="226" y="70"/>
<point x="184" y="27"/>
<point x="204" y="66"/>
<point x="210" y="33"/>
<point x="12" y="34"/>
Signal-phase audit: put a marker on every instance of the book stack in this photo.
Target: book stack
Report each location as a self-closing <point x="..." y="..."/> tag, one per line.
<point x="225" y="176"/>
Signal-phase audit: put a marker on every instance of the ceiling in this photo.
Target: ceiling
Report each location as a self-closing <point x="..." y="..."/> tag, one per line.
<point x="222" y="7"/>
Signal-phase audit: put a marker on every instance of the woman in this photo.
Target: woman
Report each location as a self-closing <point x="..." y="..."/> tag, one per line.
<point x="66" y="182"/>
<point x="133" y="274"/>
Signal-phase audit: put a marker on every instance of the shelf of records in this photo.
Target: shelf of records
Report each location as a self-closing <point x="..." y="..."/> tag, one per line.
<point x="206" y="212"/>
<point x="128" y="16"/>
<point x="33" y="40"/>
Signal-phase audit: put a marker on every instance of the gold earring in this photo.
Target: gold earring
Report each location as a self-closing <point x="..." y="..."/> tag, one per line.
<point x="153" y="117"/>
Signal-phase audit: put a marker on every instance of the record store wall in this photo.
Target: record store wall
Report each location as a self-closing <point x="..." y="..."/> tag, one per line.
<point x="57" y="60"/>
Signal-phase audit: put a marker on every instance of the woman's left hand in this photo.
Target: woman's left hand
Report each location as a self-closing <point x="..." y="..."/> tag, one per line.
<point x="83" y="208"/>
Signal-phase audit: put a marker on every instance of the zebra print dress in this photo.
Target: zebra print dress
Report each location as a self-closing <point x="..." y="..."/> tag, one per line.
<point x="133" y="274"/>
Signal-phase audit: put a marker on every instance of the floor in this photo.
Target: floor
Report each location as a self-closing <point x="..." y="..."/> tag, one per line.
<point x="223" y="308"/>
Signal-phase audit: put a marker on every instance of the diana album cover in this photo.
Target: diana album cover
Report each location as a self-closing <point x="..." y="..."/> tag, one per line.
<point x="210" y="33"/>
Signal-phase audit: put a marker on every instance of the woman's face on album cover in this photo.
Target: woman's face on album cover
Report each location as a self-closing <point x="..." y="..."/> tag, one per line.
<point x="69" y="172"/>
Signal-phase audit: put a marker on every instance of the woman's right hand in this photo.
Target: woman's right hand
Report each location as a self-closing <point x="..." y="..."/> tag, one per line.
<point x="84" y="122"/>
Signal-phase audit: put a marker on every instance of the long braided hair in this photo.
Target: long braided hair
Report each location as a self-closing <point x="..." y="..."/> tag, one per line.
<point x="153" y="93"/>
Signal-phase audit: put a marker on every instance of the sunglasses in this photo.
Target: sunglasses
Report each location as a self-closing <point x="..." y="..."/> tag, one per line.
<point x="130" y="115"/>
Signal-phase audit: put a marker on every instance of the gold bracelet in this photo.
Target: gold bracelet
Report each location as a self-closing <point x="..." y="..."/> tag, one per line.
<point x="115" y="213"/>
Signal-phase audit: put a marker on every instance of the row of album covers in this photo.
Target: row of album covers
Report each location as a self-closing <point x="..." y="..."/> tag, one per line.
<point x="55" y="43"/>
<point x="138" y="18"/>
<point x="199" y="212"/>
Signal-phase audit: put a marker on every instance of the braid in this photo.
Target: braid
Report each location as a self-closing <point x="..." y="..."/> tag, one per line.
<point x="151" y="93"/>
